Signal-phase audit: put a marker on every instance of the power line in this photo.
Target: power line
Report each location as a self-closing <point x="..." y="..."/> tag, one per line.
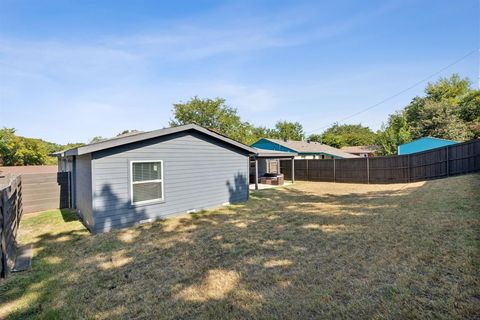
<point x="399" y="93"/>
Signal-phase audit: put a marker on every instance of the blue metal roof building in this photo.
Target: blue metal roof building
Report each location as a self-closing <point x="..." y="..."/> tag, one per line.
<point x="423" y="144"/>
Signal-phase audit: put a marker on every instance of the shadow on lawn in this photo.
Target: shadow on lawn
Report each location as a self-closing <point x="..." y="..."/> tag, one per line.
<point x="69" y="215"/>
<point x="286" y="253"/>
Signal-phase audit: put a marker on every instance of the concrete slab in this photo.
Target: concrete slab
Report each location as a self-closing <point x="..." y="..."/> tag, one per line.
<point x="268" y="186"/>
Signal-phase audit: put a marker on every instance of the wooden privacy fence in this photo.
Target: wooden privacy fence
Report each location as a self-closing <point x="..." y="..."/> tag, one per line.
<point x="10" y="214"/>
<point x="432" y="164"/>
<point x="43" y="191"/>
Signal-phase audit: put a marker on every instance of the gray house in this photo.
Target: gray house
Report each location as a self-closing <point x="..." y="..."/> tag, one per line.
<point x="146" y="176"/>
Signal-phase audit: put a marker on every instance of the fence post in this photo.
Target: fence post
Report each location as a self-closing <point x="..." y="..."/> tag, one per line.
<point x="19" y="196"/>
<point x="256" y="174"/>
<point x="293" y="170"/>
<point x="334" y="174"/>
<point x="308" y="174"/>
<point x="448" y="161"/>
<point x="368" y="171"/>
<point x="69" y="203"/>
<point x="408" y="168"/>
<point x="3" y="245"/>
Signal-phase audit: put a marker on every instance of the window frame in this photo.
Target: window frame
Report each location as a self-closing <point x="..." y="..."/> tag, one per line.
<point x="161" y="181"/>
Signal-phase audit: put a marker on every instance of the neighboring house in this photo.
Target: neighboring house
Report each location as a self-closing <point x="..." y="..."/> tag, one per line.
<point x="268" y="161"/>
<point x="146" y="176"/>
<point x="423" y="144"/>
<point x="361" y="151"/>
<point x="304" y="149"/>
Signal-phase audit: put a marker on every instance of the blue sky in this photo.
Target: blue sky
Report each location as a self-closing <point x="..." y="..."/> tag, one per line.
<point x="71" y="70"/>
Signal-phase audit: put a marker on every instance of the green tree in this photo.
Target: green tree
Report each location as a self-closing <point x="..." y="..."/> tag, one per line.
<point x="8" y="140"/>
<point x="32" y="152"/>
<point x="213" y="114"/>
<point x="333" y="140"/>
<point x="449" y="109"/>
<point x="437" y="114"/>
<point x="97" y="139"/>
<point x="450" y="89"/>
<point x="71" y="145"/>
<point x="124" y="132"/>
<point x="439" y="119"/>
<point x="20" y="151"/>
<point x="288" y="131"/>
<point x="469" y="112"/>
<point x="393" y="134"/>
<point x="253" y="133"/>
<point x="348" y="135"/>
<point x="315" y="137"/>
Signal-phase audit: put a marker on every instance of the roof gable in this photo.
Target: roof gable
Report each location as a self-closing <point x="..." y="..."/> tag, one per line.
<point x="141" y="136"/>
<point x="268" y="144"/>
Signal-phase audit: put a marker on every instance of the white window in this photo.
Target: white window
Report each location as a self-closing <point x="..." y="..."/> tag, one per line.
<point x="146" y="181"/>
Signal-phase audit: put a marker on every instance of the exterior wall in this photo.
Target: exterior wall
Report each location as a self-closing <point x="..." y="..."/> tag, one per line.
<point x="267" y="166"/>
<point x="423" y="144"/>
<point x="83" y="188"/>
<point x="199" y="172"/>
<point x="65" y="164"/>
<point x="273" y="166"/>
<point x="262" y="167"/>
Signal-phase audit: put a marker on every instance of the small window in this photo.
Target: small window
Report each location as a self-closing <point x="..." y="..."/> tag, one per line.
<point x="146" y="181"/>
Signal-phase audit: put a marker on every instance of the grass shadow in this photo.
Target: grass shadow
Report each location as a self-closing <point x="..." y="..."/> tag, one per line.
<point x="69" y="215"/>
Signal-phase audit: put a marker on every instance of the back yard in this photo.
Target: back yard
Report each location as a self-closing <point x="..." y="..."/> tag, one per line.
<point x="307" y="251"/>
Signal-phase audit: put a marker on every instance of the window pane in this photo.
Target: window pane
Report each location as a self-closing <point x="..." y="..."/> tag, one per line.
<point x="147" y="191"/>
<point x="144" y="171"/>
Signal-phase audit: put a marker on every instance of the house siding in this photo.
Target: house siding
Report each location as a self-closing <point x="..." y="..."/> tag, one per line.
<point x="83" y="188"/>
<point x="199" y="172"/>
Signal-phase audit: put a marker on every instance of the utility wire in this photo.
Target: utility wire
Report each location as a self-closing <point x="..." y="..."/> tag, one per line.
<point x="399" y="93"/>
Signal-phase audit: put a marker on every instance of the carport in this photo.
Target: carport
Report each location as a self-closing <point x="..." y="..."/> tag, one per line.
<point x="263" y="155"/>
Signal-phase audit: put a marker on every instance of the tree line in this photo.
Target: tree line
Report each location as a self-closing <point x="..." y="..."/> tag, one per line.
<point x="21" y="151"/>
<point x="449" y="109"/>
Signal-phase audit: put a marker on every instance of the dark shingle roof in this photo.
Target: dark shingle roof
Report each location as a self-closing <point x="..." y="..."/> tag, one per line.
<point x="312" y="147"/>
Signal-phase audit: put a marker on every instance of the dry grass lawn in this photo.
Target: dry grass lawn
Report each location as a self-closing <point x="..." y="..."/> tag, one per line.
<point x="312" y="250"/>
